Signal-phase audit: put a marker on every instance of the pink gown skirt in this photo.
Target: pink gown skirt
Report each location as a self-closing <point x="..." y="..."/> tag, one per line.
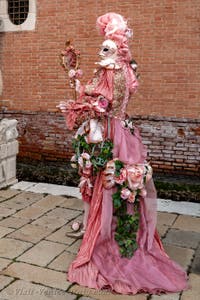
<point x="98" y="263"/>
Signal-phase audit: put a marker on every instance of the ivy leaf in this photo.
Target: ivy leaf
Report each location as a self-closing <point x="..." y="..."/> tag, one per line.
<point x="117" y="200"/>
<point x="128" y="242"/>
<point x="118" y="166"/>
<point x="117" y="203"/>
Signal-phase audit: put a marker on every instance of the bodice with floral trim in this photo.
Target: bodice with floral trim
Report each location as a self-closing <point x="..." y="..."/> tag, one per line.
<point x="106" y="94"/>
<point x="111" y="84"/>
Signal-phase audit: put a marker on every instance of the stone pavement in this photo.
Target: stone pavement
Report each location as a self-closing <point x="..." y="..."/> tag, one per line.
<point x="35" y="253"/>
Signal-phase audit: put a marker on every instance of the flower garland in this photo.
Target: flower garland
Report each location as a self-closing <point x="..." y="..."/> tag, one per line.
<point x="89" y="158"/>
<point x="130" y="182"/>
<point x="91" y="155"/>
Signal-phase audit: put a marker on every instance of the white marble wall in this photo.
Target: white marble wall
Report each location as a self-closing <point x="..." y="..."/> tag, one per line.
<point x="9" y="148"/>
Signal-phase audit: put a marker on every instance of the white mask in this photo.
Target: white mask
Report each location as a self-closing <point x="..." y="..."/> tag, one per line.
<point x="108" y="50"/>
<point x="109" y="55"/>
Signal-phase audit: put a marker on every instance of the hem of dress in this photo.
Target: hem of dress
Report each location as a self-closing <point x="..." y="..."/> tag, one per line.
<point x="114" y="290"/>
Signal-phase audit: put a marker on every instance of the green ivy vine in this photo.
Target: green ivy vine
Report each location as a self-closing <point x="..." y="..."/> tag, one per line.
<point x="100" y="153"/>
<point x="127" y="224"/>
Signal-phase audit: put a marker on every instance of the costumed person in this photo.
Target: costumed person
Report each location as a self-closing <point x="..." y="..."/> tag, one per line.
<point x="121" y="250"/>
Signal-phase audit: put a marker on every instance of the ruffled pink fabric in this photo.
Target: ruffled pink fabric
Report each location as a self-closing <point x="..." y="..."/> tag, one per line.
<point x="83" y="108"/>
<point x="98" y="263"/>
<point x="104" y="85"/>
<point x="77" y="109"/>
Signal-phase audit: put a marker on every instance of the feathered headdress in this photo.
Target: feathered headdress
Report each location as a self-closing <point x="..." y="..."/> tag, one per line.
<point x="114" y="27"/>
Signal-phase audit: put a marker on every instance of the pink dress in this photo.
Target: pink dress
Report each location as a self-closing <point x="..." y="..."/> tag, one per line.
<point x="98" y="263"/>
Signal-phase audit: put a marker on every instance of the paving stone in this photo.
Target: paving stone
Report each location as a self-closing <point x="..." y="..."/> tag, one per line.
<point x="37" y="274"/>
<point x="187" y="223"/>
<point x="60" y="235"/>
<point x="4" y="262"/>
<point x="50" y="201"/>
<point x="62" y="262"/>
<point x="64" y="213"/>
<point x="4" y="281"/>
<point x="73" y="203"/>
<point x="162" y="229"/>
<point x="6" y="194"/>
<point x="2" y="199"/>
<point x="32" y="212"/>
<point x="165" y="218"/>
<point x="182" y="238"/>
<point x="10" y="248"/>
<point x="14" y="222"/>
<point x="74" y="247"/>
<point x="16" y="204"/>
<point x="194" y="291"/>
<point x="168" y="296"/>
<point x="103" y="294"/>
<point x="42" y="253"/>
<point x="182" y="256"/>
<point x="196" y="262"/>
<point x="52" y="223"/>
<point x="30" y="233"/>
<point x="22" y="200"/>
<point x="4" y="231"/>
<point x="5" y="212"/>
<point x="22" y="290"/>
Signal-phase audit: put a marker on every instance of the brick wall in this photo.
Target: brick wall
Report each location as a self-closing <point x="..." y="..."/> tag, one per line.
<point x="173" y="144"/>
<point x="42" y="136"/>
<point x="166" y="46"/>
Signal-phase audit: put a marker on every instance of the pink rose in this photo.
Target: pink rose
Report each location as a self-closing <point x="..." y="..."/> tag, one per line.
<point x="110" y="168"/>
<point x="108" y="180"/>
<point x="75" y="226"/>
<point x="143" y="193"/>
<point x="108" y="184"/>
<point x="87" y="172"/>
<point x="109" y="171"/>
<point x="80" y="161"/>
<point x="108" y="175"/>
<point x="72" y="73"/>
<point x="85" y="155"/>
<point x="111" y="164"/>
<point x="102" y="102"/>
<point x="122" y="177"/>
<point x="79" y="73"/>
<point x="125" y="193"/>
<point x="131" y="197"/>
<point x="88" y="164"/>
<point x="135" y="176"/>
<point x="73" y="160"/>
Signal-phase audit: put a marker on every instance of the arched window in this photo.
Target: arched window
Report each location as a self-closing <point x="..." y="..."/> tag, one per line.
<point x="18" y="11"/>
<point x="17" y="15"/>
